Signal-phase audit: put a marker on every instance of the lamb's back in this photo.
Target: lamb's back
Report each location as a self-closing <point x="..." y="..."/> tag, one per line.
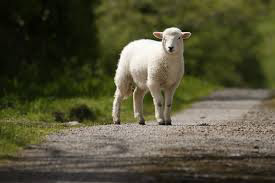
<point x="141" y="50"/>
<point x="137" y="55"/>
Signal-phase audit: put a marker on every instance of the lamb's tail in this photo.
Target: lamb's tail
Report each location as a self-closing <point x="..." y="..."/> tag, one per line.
<point x="124" y="83"/>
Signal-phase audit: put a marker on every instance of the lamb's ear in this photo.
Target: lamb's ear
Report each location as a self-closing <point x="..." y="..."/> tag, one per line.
<point x="185" y="35"/>
<point x="158" y="34"/>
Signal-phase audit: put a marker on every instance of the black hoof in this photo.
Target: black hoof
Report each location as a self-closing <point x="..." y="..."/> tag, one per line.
<point x="168" y="123"/>
<point x="141" y="122"/>
<point x="117" y="122"/>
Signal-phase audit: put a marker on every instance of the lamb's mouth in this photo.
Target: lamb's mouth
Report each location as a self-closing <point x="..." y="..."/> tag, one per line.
<point x="171" y="52"/>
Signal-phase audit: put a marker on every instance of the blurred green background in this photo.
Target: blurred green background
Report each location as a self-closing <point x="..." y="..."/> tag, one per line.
<point x="71" y="48"/>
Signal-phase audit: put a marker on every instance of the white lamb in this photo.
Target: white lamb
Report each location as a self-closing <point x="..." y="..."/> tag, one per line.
<point x="154" y="66"/>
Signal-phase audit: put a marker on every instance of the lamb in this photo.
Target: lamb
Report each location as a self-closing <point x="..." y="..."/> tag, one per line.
<point x="150" y="65"/>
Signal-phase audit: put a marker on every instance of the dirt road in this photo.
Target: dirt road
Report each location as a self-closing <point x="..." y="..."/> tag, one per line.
<point x="227" y="137"/>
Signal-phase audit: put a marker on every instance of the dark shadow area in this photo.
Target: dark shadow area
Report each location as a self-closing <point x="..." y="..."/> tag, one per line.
<point x="76" y="168"/>
<point x="51" y="177"/>
<point x="43" y="177"/>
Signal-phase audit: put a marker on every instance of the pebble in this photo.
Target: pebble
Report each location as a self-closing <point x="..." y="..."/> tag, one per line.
<point x="72" y="123"/>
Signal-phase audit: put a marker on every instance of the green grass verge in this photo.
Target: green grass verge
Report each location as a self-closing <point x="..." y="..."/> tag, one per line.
<point x="16" y="135"/>
<point x="26" y="122"/>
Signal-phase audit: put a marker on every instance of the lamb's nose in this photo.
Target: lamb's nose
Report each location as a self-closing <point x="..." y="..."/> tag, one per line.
<point x="170" y="48"/>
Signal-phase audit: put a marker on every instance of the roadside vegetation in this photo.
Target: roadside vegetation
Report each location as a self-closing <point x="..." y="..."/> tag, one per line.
<point x="27" y="122"/>
<point x="15" y="135"/>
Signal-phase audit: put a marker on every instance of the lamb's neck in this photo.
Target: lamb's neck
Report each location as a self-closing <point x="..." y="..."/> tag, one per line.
<point x="178" y="57"/>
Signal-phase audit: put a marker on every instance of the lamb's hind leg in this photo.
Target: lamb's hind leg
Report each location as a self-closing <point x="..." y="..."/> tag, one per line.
<point x="138" y="104"/>
<point x="116" y="107"/>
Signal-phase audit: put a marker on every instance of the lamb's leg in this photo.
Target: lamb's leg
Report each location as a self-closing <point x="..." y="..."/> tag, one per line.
<point x="138" y="104"/>
<point x="158" y="102"/>
<point x="168" y="94"/>
<point x="116" y="107"/>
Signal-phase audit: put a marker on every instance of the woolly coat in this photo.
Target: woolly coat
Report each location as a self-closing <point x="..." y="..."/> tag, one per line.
<point x="145" y="62"/>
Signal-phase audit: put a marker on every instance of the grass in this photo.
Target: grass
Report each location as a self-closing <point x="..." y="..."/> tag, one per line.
<point x="16" y="135"/>
<point x="27" y="122"/>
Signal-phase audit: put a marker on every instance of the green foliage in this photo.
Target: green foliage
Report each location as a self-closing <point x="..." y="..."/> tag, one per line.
<point x="267" y="49"/>
<point x="71" y="48"/>
<point x="43" y="40"/>
<point x="223" y="46"/>
<point x="98" y="110"/>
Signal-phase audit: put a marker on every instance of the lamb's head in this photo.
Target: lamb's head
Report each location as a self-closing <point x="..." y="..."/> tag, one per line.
<point x="172" y="39"/>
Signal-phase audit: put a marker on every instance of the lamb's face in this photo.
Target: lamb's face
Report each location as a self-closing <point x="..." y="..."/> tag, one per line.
<point x="172" y="39"/>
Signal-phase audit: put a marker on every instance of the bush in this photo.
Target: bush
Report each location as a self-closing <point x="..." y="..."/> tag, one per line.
<point x="82" y="112"/>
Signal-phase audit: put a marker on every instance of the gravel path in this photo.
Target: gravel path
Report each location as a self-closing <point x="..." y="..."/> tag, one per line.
<point x="227" y="137"/>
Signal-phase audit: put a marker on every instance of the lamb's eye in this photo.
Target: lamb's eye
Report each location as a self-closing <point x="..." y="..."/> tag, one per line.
<point x="179" y="38"/>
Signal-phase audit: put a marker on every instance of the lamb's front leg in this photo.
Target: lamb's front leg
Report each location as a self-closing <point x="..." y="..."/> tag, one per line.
<point x="168" y="93"/>
<point x="158" y="102"/>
